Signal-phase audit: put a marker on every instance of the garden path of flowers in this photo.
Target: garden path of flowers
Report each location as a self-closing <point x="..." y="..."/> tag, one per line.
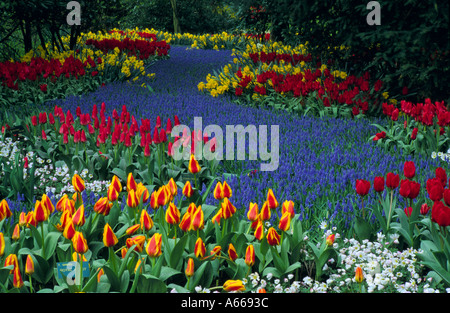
<point x="320" y="160"/>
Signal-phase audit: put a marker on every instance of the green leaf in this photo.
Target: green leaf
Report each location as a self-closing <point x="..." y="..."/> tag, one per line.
<point x="177" y="252"/>
<point x="363" y="229"/>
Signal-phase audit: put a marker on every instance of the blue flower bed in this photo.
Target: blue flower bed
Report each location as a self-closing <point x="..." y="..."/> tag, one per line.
<point x="320" y="158"/>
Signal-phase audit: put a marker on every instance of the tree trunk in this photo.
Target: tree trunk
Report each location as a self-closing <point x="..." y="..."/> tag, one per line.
<point x="26" y="33"/>
<point x="176" y="24"/>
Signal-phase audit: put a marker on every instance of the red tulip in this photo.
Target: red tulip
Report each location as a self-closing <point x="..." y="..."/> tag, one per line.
<point x="435" y="189"/>
<point x="408" y="211"/>
<point x="440" y="214"/>
<point x="442" y="175"/>
<point x="392" y="180"/>
<point x="409" y="169"/>
<point x="378" y="184"/>
<point x="362" y="187"/>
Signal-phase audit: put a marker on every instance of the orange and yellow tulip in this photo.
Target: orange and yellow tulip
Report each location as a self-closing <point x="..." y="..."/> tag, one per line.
<point x="172" y="214"/>
<point x="78" y="183"/>
<point x="116" y="184"/>
<point x="186" y="222"/>
<point x="273" y="238"/>
<point x="132" y="229"/>
<point x="40" y="213"/>
<point x="233" y="285"/>
<point x="146" y="221"/>
<point x="198" y="219"/>
<point x="112" y="194"/>
<point x="2" y="244"/>
<point x="199" y="249"/>
<point x="189" y="271"/>
<point x="253" y="212"/>
<point x="79" y="218"/>
<point x="172" y="187"/>
<point x="103" y="206"/>
<point x="193" y="166"/>
<point x="228" y="209"/>
<point x="79" y="243"/>
<point x="132" y="199"/>
<point x="359" y="276"/>
<point x="285" y="221"/>
<point x="232" y="254"/>
<point x="12" y="260"/>
<point x="187" y="190"/>
<point x="250" y="255"/>
<point x="69" y="229"/>
<point x="153" y="248"/>
<point x="216" y="252"/>
<point x="271" y="200"/>
<point x="47" y="203"/>
<point x="142" y="192"/>
<point x="29" y="265"/>
<point x="259" y="230"/>
<point x="288" y="206"/>
<point x="17" y="279"/>
<point x="138" y="240"/>
<point x="16" y="233"/>
<point x="109" y="238"/>
<point x="330" y="240"/>
<point x="5" y="212"/>
<point x="131" y="183"/>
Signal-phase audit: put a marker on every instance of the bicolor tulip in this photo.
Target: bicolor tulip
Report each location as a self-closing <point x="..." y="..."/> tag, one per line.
<point x="359" y="276"/>
<point x="17" y="278"/>
<point x="265" y="212"/>
<point x="271" y="200"/>
<point x="146" y="221"/>
<point x="29" y="265"/>
<point x="163" y="196"/>
<point x="285" y="221"/>
<point x="12" y="260"/>
<point x="139" y="266"/>
<point x="193" y="166"/>
<point x="330" y="240"/>
<point x="79" y="243"/>
<point x="273" y="238"/>
<point x="228" y="209"/>
<point x="40" y="213"/>
<point x="233" y="285"/>
<point x="2" y="244"/>
<point x="109" y="238"/>
<point x="78" y="183"/>
<point x="116" y="184"/>
<point x="216" y="218"/>
<point x="132" y="199"/>
<point x="232" y="254"/>
<point x="5" y="212"/>
<point x="189" y="271"/>
<point x="216" y="252"/>
<point x="288" y="206"/>
<point x="79" y="218"/>
<point x="250" y="255"/>
<point x="253" y="212"/>
<point x="138" y="240"/>
<point x="16" y="233"/>
<point x="259" y="230"/>
<point x="77" y="257"/>
<point x="172" y="214"/>
<point x="65" y="203"/>
<point x="69" y="229"/>
<point x="47" y="203"/>
<point x="103" y="206"/>
<point x="132" y="229"/>
<point x="142" y="193"/>
<point x="222" y="191"/>
<point x="112" y="193"/>
<point x="173" y="188"/>
<point x="22" y="219"/>
<point x="131" y="183"/>
<point x="186" y="222"/>
<point x="200" y="248"/>
<point x="153" y="248"/>
<point x="198" y="219"/>
<point x="187" y="190"/>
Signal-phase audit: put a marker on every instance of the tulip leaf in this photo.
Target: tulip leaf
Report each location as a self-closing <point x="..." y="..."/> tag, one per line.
<point x="204" y="272"/>
<point x="363" y="229"/>
<point x="177" y="252"/>
<point x="112" y="278"/>
<point x="277" y="260"/>
<point x="124" y="281"/>
<point x="150" y="284"/>
<point x="51" y="240"/>
<point x="167" y="272"/>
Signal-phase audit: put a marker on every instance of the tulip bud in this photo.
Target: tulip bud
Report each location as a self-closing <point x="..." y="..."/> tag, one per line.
<point x="153" y="248"/>
<point x="232" y="254"/>
<point x="187" y="190"/>
<point x="78" y="183"/>
<point x="233" y="285"/>
<point x="359" y="276"/>
<point x="250" y="255"/>
<point x="79" y="243"/>
<point x="285" y="222"/>
<point x="330" y="240"/>
<point x="273" y="238"/>
<point x="194" y="166"/>
<point x="29" y="265"/>
<point x="146" y="221"/>
<point x="109" y="238"/>
<point x="16" y="233"/>
<point x="199" y="249"/>
<point x="271" y="200"/>
<point x="189" y="268"/>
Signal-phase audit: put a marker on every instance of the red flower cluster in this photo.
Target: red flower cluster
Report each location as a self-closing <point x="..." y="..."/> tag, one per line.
<point x="11" y="73"/>
<point x="270" y="57"/>
<point x="141" y="48"/>
<point x="437" y="191"/>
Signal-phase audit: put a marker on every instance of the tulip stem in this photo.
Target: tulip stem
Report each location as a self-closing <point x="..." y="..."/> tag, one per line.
<point x="43" y="241"/>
